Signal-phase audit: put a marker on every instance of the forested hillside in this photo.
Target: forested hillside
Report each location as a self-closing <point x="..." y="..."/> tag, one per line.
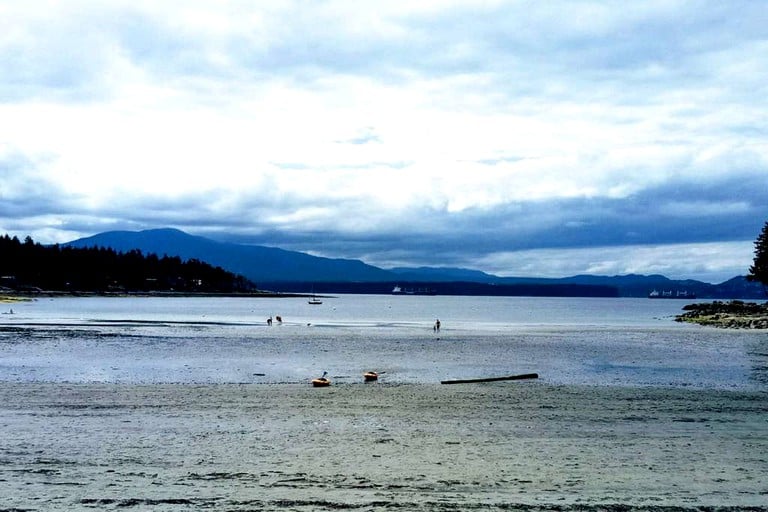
<point x="29" y="266"/>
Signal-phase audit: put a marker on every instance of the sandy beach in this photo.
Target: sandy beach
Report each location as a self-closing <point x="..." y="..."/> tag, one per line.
<point x="423" y="447"/>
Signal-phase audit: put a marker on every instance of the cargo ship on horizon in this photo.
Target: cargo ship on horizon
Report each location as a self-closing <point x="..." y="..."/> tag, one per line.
<point x="671" y="294"/>
<point x="397" y="290"/>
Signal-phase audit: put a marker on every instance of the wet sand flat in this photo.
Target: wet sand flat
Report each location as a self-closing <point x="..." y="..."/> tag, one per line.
<point x="423" y="447"/>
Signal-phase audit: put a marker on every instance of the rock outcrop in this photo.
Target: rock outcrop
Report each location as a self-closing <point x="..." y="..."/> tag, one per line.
<point x="735" y="314"/>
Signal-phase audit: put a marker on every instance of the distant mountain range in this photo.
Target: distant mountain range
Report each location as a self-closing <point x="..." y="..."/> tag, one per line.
<point x="281" y="270"/>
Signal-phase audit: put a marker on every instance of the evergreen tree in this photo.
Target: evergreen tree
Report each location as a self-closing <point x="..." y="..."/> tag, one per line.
<point x="759" y="269"/>
<point x="29" y="266"/>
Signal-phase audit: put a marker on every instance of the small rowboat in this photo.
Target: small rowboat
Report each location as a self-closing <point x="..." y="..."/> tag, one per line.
<point x="370" y="376"/>
<point x="321" y="382"/>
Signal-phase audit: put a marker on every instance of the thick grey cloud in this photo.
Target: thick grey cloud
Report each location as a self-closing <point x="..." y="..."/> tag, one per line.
<point x="732" y="208"/>
<point x="461" y="134"/>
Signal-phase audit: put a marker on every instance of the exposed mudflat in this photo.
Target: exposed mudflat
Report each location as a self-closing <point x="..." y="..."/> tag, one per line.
<point x="424" y="447"/>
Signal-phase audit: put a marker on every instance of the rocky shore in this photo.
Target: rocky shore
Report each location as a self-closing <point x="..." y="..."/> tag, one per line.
<point x="735" y="314"/>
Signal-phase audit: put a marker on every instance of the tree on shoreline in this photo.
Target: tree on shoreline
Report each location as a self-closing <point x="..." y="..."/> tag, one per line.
<point x="759" y="269"/>
<point x="29" y="266"/>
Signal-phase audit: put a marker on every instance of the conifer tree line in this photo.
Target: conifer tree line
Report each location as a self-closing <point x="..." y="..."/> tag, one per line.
<point x="759" y="269"/>
<point x="29" y="266"/>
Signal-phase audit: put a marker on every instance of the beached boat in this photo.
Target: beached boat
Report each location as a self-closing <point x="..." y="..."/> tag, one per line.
<point x="321" y="382"/>
<point x="370" y="376"/>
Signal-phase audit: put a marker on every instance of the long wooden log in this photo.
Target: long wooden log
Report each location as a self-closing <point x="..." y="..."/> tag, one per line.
<point x="492" y="379"/>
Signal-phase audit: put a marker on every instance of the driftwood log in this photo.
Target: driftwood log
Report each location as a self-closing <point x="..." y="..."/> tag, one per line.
<point x="492" y="379"/>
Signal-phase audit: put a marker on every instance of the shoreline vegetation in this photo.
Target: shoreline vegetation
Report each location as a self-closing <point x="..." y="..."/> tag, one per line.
<point x="734" y="314"/>
<point x="30" y="267"/>
<point x="6" y="299"/>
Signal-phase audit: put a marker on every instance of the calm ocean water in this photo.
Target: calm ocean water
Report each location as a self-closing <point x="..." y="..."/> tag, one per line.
<point x="614" y="342"/>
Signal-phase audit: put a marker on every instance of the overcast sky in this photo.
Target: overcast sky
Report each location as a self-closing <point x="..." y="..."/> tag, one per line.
<point x="527" y="138"/>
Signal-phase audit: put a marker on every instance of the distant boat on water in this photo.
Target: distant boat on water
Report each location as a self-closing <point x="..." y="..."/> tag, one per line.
<point x="397" y="290"/>
<point x="671" y="294"/>
<point x="313" y="299"/>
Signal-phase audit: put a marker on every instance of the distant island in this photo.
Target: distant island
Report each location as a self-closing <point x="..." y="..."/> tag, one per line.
<point x="285" y="271"/>
<point x="168" y="260"/>
<point x="734" y="314"/>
